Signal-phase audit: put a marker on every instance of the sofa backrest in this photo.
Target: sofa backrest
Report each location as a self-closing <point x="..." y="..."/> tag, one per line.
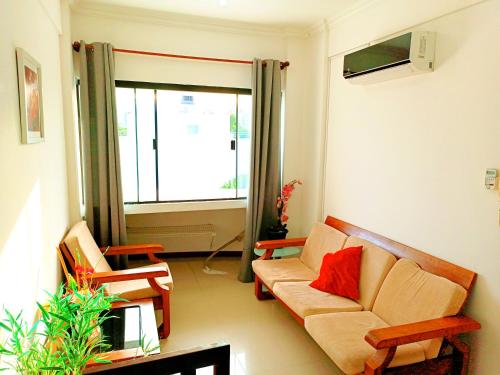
<point x="322" y="239"/>
<point x="375" y="265"/>
<point x="83" y="248"/>
<point x="410" y="294"/>
<point x="427" y="262"/>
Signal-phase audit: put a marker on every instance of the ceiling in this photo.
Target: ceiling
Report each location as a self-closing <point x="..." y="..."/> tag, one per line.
<point x="282" y="13"/>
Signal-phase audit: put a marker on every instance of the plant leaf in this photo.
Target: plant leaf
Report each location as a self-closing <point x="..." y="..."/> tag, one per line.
<point x="59" y="316"/>
<point x="6" y="327"/>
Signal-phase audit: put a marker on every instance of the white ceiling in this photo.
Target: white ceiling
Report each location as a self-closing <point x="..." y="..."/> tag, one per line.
<point x="282" y="13"/>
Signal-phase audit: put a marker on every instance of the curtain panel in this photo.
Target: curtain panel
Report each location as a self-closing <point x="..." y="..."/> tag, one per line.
<point x="104" y="210"/>
<point x="265" y="170"/>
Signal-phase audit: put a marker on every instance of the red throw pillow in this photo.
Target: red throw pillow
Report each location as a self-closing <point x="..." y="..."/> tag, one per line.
<point x="339" y="273"/>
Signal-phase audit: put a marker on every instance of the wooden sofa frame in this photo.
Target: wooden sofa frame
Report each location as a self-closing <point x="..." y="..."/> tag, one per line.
<point x="161" y="302"/>
<point x="453" y="357"/>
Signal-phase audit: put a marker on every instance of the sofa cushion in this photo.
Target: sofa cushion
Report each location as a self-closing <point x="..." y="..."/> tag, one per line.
<point x="341" y="336"/>
<point x="339" y="273"/>
<point x="410" y="294"/>
<point x="375" y="265"/>
<point x="136" y="289"/>
<point x="83" y="248"/>
<point x="305" y="300"/>
<point x="322" y="239"/>
<point x="286" y="269"/>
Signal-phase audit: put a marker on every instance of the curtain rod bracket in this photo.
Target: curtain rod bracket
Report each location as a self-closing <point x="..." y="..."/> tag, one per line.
<point x="284" y="64"/>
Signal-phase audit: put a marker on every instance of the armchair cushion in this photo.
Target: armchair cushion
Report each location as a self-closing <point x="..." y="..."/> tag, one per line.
<point x="137" y="289"/>
<point x="410" y="294"/>
<point x="341" y="336"/>
<point x="322" y="239"/>
<point x="305" y="300"/>
<point x="83" y="248"/>
<point x="375" y="265"/>
<point x="286" y="269"/>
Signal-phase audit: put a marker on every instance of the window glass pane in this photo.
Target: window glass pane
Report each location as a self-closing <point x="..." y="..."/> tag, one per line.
<point x="145" y="135"/>
<point x="125" y="108"/>
<point x="196" y="159"/>
<point x="244" y="143"/>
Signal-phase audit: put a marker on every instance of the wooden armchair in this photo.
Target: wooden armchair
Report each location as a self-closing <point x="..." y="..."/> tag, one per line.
<point x="152" y="281"/>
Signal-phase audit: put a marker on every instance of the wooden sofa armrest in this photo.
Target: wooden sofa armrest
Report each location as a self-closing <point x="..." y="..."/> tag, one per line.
<point x="125" y="275"/>
<point x="132" y="249"/>
<point x="271" y="245"/>
<point x="276" y="244"/>
<point x="383" y="338"/>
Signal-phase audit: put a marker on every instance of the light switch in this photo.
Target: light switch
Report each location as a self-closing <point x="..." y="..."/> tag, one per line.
<point x="490" y="180"/>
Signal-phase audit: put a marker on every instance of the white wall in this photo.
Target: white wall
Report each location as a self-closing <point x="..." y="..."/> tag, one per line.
<point x="144" y="31"/>
<point x="293" y="155"/>
<point x="33" y="189"/>
<point x="73" y="168"/>
<point x="407" y="158"/>
<point x="310" y="149"/>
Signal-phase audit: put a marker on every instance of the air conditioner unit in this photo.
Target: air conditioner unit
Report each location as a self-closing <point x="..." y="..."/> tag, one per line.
<point x="405" y="55"/>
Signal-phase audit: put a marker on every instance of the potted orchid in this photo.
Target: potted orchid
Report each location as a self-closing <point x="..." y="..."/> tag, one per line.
<point x="279" y="230"/>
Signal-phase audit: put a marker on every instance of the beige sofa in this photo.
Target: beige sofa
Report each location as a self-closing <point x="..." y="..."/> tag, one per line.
<point x="409" y="301"/>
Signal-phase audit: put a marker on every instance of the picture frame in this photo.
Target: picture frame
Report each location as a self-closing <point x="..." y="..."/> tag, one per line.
<point x="29" y="77"/>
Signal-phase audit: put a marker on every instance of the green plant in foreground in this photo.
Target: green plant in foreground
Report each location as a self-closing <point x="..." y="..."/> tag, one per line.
<point x="65" y="338"/>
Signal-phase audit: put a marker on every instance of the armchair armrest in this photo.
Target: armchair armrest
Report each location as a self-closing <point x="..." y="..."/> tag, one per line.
<point x="276" y="244"/>
<point x="383" y="338"/>
<point x="124" y="275"/>
<point x="133" y="249"/>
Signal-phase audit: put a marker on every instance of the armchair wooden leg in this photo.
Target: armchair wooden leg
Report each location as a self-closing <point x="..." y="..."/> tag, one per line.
<point x="165" y="331"/>
<point x="259" y="293"/>
<point x="162" y="302"/>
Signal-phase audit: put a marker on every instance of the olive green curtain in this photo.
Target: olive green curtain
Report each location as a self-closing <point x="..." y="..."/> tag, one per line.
<point x="265" y="170"/>
<point x="104" y="210"/>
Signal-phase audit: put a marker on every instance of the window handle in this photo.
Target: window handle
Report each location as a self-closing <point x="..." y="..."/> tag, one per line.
<point x="155" y="144"/>
<point x="233" y="144"/>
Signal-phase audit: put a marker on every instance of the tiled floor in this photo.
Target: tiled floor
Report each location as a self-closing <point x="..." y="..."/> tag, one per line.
<point x="264" y="338"/>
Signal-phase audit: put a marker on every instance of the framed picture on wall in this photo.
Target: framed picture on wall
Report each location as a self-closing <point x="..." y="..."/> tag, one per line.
<point x="29" y="76"/>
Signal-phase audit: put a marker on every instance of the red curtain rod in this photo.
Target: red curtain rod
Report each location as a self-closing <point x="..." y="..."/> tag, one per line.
<point x="76" y="47"/>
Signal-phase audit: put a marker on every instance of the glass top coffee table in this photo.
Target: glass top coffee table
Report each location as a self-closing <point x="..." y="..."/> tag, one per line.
<point x="130" y="331"/>
<point x="279" y="253"/>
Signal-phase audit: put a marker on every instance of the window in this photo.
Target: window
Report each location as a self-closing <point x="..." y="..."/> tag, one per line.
<point x="183" y="143"/>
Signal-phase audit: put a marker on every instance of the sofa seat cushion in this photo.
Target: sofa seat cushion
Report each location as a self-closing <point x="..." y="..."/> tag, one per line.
<point x="305" y="300"/>
<point x="341" y="336"/>
<point x="286" y="269"/>
<point x="136" y="289"/>
<point x="410" y="294"/>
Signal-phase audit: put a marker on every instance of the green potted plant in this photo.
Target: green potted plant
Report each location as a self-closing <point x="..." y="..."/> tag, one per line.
<point x="66" y="337"/>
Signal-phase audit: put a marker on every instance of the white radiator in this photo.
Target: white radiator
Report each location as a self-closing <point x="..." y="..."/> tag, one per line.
<point x="175" y="238"/>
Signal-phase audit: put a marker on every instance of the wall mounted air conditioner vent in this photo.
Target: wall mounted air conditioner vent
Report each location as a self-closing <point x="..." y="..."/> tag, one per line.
<point x="407" y="54"/>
